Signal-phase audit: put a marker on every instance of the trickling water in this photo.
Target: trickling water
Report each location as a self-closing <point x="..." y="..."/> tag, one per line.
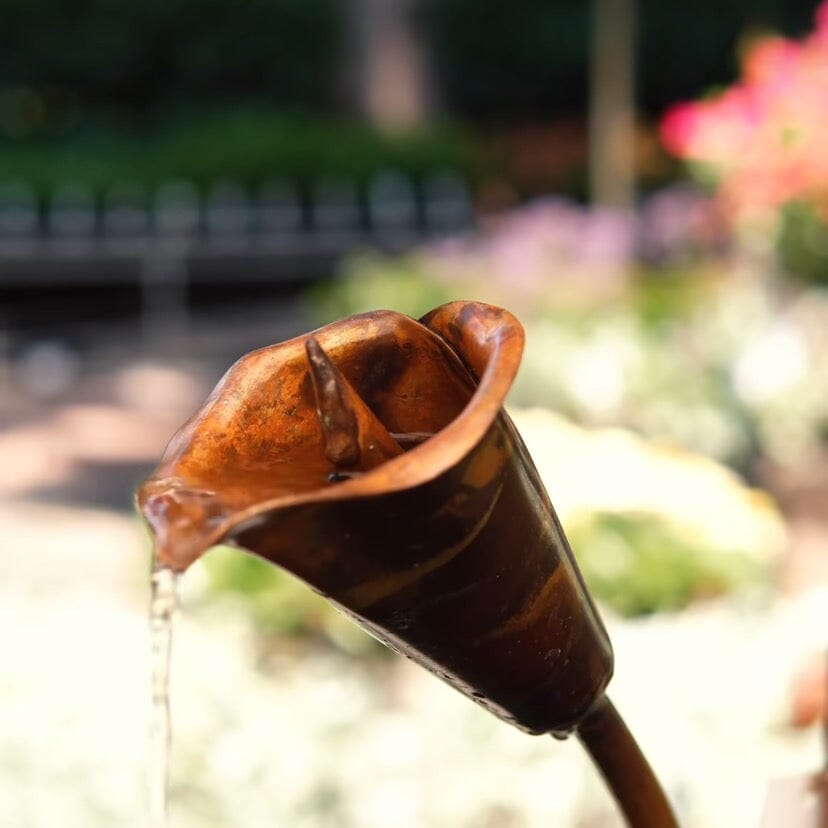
<point x="162" y="607"/>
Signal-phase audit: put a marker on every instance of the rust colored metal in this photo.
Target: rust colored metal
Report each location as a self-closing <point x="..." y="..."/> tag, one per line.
<point x="438" y="536"/>
<point x="624" y="767"/>
<point x="351" y="434"/>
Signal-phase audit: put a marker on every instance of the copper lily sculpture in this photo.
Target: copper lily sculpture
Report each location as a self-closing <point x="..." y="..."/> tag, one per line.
<point x="373" y="459"/>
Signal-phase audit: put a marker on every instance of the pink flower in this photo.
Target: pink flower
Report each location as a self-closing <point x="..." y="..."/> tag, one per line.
<point x="680" y="128"/>
<point x="772" y="61"/>
<point x="764" y="136"/>
<point x="821" y="22"/>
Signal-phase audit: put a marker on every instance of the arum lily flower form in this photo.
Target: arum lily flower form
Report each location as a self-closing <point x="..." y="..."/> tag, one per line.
<point x="373" y="459"/>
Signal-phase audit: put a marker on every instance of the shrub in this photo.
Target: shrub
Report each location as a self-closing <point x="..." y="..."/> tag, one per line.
<point x="248" y="145"/>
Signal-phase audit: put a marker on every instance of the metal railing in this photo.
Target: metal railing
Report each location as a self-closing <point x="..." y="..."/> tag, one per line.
<point x="166" y="240"/>
<point x="280" y="231"/>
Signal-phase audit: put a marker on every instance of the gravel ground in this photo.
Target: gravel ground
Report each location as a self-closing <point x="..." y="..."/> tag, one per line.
<point x="319" y="739"/>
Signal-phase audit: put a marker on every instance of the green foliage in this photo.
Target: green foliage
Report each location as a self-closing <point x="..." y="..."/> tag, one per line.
<point x="642" y="563"/>
<point x="371" y="281"/>
<point x="684" y="49"/>
<point x="140" y="55"/>
<point x="497" y="58"/>
<point x="803" y="243"/>
<point x="279" y="603"/>
<point x="249" y="145"/>
<point x="636" y="563"/>
<point x="492" y="58"/>
<point x="663" y="297"/>
<point x="500" y="58"/>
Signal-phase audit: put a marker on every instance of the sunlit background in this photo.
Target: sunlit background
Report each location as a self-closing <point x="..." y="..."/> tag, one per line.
<point x="645" y="185"/>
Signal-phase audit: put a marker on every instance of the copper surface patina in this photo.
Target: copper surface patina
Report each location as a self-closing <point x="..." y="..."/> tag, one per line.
<point x="373" y="459"/>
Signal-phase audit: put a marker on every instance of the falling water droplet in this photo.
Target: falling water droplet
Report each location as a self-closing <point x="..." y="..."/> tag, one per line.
<point x="163" y="604"/>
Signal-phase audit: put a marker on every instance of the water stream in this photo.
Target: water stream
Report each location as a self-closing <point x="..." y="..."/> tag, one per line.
<point x="163" y="603"/>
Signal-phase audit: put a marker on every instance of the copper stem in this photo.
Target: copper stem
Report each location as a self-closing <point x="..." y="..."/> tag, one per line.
<point x="624" y="768"/>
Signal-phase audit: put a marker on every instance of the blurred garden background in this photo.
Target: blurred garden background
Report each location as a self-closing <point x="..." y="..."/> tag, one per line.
<point x="644" y="185"/>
